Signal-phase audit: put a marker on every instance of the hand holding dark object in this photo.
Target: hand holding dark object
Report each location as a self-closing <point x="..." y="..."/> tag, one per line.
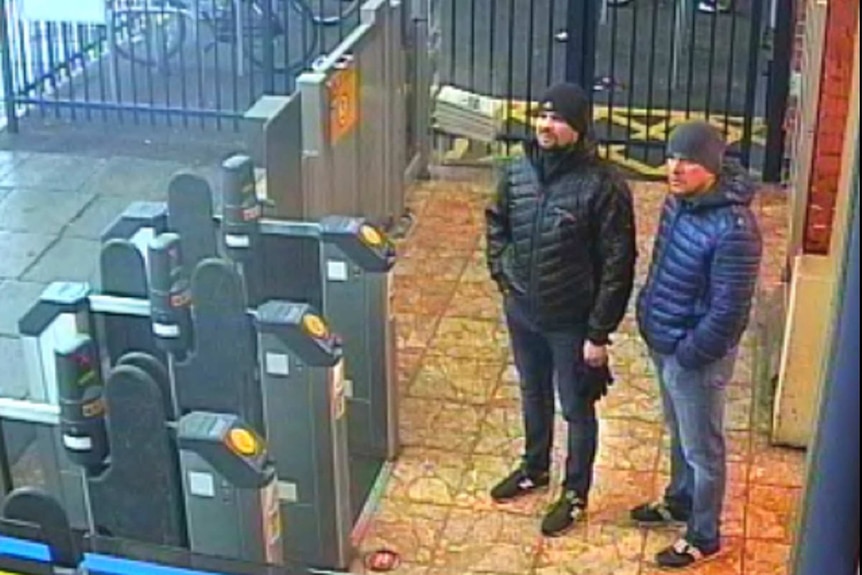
<point x="596" y="355"/>
<point x="597" y="381"/>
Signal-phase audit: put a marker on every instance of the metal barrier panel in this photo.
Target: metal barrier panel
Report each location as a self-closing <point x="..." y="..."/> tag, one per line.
<point x="418" y="86"/>
<point x="274" y="130"/>
<point x="166" y="62"/>
<point x="649" y="65"/>
<point x="396" y="110"/>
<point x="353" y="122"/>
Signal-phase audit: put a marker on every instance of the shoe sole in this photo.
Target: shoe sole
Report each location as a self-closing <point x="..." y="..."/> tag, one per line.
<point x="563" y="533"/>
<point x="532" y="492"/>
<point x="667" y="526"/>
<point x="567" y="530"/>
<point x="696" y="565"/>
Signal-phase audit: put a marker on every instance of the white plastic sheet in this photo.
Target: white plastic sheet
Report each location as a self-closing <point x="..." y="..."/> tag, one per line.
<point x="73" y="11"/>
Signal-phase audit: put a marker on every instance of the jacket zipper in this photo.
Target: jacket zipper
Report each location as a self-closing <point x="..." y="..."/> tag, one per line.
<point x="537" y="223"/>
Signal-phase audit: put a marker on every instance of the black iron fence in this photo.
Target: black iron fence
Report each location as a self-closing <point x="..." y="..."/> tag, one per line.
<point x="651" y="65"/>
<point x="166" y="61"/>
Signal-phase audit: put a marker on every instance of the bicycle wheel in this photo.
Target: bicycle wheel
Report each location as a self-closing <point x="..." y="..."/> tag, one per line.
<point x="327" y="12"/>
<point x="279" y="36"/>
<point x="149" y="32"/>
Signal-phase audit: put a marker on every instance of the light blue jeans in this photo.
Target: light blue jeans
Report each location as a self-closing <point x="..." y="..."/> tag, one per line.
<point x="694" y="406"/>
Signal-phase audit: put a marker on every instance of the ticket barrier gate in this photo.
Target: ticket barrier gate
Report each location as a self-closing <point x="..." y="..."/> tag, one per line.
<point x="340" y="265"/>
<point x="308" y="504"/>
<point x="212" y="366"/>
<point x="202" y="480"/>
<point x="303" y="383"/>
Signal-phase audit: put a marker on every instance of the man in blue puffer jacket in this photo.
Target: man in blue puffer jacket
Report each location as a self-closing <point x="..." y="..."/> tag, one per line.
<point x="692" y="314"/>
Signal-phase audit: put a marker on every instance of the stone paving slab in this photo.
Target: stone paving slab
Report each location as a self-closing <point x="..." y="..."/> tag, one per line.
<point x="70" y="259"/>
<point x="13" y="379"/>
<point x="39" y="211"/>
<point x="20" y="251"/>
<point x="15" y="299"/>
<point x="52" y="172"/>
<point x="95" y="219"/>
<point x="134" y="179"/>
<point x="10" y="159"/>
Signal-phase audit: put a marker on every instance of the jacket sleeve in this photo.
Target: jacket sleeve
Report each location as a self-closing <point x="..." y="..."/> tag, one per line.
<point x="498" y="229"/>
<point x="732" y="284"/>
<point x="616" y="256"/>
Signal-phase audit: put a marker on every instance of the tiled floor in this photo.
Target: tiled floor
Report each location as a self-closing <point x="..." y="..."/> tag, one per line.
<point x="462" y="431"/>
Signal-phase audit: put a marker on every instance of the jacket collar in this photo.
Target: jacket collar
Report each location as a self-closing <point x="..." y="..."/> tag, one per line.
<point x="735" y="187"/>
<point x="551" y="164"/>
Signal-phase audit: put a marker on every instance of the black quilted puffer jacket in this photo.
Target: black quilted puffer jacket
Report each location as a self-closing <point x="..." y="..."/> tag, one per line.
<point x="561" y="240"/>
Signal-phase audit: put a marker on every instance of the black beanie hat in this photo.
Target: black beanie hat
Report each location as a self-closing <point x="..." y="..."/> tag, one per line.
<point x="572" y="104"/>
<point x="698" y="142"/>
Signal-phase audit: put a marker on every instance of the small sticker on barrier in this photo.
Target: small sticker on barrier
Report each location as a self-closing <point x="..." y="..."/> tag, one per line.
<point x="337" y="271"/>
<point x="77" y="443"/>
<point x="339" y="399"/>
<point x="343" y="102"/>
<point x="237" y="242"/>
<point x="165" y="330"/>
<point x="202" y="484"/>
<point x="288" y="492"/>
<point x="95" y="408"/>
<point x="252" y="214"/>
<point x="272" y="528"/>
<point x="277" y="364"/>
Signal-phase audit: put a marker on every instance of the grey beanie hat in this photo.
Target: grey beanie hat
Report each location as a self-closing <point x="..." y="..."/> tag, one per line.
<point x="699" y="142"/>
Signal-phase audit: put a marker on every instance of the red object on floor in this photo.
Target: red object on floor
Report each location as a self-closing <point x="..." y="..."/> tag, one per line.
<point x="383" y="561"/>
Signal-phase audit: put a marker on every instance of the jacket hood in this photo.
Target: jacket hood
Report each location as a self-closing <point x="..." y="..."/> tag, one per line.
<point x="735" y="187"/>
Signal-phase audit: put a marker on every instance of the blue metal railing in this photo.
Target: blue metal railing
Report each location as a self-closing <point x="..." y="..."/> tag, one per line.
<point x="166" y="61"/>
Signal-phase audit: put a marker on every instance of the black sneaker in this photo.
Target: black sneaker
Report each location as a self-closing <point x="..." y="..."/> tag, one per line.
<point x="658" y="514"/>
<point x="682" y="555"/>
<point x="519" y="484"/>
<point x="564" y="514"/>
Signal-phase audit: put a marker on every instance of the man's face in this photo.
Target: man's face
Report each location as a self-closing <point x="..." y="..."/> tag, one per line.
<point x="687" y="178"/>
<point x="554" y="132"/>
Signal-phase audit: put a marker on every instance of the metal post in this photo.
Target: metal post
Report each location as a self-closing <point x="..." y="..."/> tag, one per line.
<point x="240" y="42"/>
<point x="778" y="90"/>
<point x="8" y="78"/>
<point x="114" y="87"/>
<point x="268" y="49"/>
<point x="421" y="17"/>
<point x="682" y="20"/>
<point x="582" y="21"/>
<point x="828" y="540"/>
<point x="6" y="482"/>
<point x="752" y="75"/>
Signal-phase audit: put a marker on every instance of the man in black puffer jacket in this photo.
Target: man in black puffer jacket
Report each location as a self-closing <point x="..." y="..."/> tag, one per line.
<point x="692" y="313"/>
<point x="562" y="248"/>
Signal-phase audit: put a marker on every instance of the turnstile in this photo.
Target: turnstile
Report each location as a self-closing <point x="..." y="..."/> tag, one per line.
<point x="195" y="343"/>
<point x="341" y="266"/>
<point x="303" y="382"/>
<point x="230" y="487"/>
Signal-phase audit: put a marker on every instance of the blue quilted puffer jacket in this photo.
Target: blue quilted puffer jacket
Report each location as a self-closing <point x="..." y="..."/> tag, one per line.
<point x="697" y="301"/>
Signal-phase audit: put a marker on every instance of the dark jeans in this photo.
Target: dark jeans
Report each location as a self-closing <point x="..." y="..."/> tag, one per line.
<point x="543" y="358"/>
<point x="694" y="405"/>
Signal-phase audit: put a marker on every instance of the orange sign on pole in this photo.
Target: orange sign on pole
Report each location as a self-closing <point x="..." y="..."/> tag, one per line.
<point x="343" y="102"/>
